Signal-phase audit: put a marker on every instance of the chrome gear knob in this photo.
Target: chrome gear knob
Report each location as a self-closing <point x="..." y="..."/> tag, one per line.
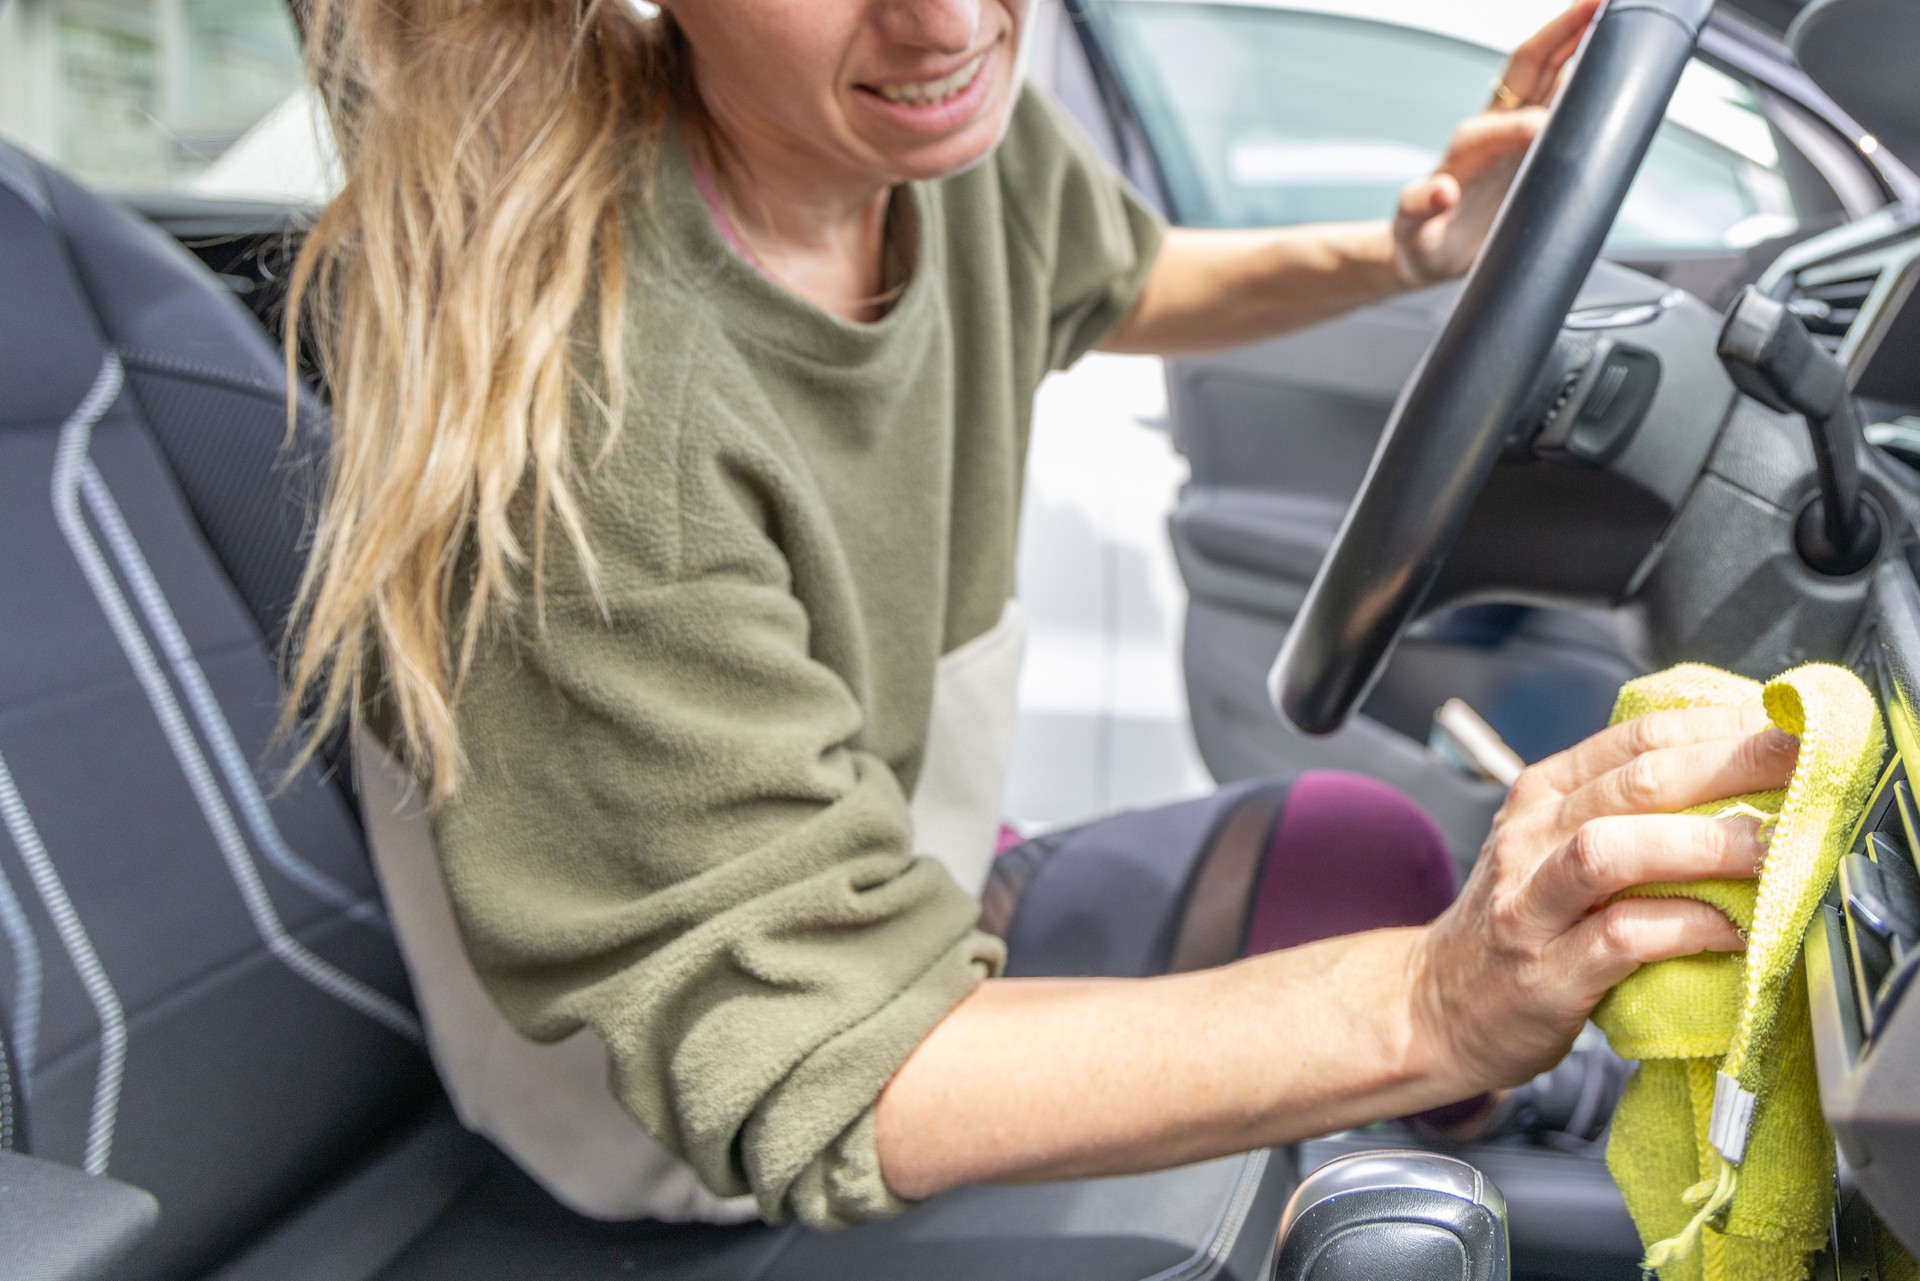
<point x="1394" y="1216"/>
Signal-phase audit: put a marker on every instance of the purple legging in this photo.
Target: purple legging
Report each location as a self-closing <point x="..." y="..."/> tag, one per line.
<point x="1348" y="853"/>
<point x="1254" y="868"/>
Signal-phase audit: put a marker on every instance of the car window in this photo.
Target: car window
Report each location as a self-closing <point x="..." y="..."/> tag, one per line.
<point x="1264" y="116"/>
<point x="189" y="96"/>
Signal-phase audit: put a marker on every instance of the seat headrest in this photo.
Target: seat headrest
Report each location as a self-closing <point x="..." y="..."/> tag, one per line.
<point x="50" y="345"/>
<point x="86" y="265"/>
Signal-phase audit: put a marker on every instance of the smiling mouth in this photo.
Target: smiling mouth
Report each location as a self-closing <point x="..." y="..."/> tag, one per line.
<point x="927" y="93"/>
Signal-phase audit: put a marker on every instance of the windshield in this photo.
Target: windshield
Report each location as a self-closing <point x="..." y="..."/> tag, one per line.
<point x="1265" y="116"/>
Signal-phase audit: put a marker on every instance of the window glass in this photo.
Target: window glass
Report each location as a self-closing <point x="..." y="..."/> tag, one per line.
<point x="197" y="96"/>
<point x="1269" y="117"/>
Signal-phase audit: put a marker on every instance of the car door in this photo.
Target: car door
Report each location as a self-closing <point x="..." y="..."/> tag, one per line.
<point x="1288" y="112"/>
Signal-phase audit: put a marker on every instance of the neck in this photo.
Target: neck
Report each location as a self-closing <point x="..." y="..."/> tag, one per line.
<point x="820" y="234"/>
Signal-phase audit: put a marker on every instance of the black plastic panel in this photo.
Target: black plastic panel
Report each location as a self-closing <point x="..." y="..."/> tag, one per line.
<point x="1866" y="1015"/>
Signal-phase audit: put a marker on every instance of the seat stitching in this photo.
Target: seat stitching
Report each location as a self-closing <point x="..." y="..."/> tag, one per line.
<point x="53" y="893"/>
<point x="163" y="362"/>
<point x="214" y="725"/>
<point x="54" y="694"/>
<point x="29" y="976"/>
<point x="186" y="990"/>
<point x="86" y="963"/>
<point x="69" y="466"/>
<point x="1206" y="1262"/>
<point x="93" y="976"/>
<point x="6" y="1101"/>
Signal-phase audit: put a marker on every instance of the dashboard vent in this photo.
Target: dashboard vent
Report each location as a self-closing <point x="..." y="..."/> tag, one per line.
<point x="1831" y="307"/>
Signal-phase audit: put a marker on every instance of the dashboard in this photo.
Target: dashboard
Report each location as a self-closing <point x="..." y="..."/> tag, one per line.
<point x="1888" y="376"/>
<point x="1858" y="289"/>
<point x="1862" y="956"/>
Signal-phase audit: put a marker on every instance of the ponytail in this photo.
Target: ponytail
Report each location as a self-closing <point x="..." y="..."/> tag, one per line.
<point x="451" y="290"/>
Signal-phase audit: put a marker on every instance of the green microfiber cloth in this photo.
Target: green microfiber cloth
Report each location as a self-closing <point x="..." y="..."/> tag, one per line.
<point x="1718" y="1145"/>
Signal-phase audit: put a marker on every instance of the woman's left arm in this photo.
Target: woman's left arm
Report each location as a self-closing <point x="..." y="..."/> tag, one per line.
<point x="1212" y="289"/>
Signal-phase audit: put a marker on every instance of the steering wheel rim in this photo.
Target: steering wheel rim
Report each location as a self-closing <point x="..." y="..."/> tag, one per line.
<point x="1456" y="413"/>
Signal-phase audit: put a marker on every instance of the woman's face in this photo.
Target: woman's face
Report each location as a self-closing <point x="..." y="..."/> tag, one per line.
<point x="868" y="91"/>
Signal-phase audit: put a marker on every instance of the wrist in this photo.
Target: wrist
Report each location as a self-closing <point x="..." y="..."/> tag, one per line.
<point x="1374" y="255"/>
<point x="1431" y="1052"/>
<point x="1411" y="1063"/>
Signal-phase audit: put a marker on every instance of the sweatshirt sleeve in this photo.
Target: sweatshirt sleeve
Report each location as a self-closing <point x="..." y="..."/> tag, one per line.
<point x="1094" y="238"/>
<point x="667" y="833"/>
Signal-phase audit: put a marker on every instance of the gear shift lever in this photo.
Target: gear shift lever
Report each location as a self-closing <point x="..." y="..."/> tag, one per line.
<point x="1772" y="358"/>
<point x="1394" y="1216"/>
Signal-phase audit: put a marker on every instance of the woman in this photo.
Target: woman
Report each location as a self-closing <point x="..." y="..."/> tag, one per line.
<point x="682" y="370"/>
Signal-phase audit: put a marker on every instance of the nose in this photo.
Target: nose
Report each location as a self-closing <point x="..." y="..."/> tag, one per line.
<point x="937" y="26"/>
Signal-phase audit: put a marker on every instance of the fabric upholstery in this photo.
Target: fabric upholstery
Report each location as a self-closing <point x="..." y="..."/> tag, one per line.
<point x="203" y="998"/>
<point x="57" y="1224"/>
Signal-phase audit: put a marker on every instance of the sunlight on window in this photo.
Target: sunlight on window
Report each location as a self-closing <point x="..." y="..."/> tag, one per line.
<point x="1322" y="110"/>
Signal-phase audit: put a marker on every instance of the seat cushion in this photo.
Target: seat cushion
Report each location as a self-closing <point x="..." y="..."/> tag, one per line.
<point x="443" y="1206"/>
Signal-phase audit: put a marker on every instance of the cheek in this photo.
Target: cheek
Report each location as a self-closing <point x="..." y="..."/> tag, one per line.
<point x="778" y="52"/>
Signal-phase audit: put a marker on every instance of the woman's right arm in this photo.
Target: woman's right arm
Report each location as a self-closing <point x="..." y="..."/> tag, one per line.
<point x="1041" y="1079"/>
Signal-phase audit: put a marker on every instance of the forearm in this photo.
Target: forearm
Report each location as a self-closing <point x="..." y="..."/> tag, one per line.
<point x="1212" y="289"/>
<point x="1073" y="1078"/>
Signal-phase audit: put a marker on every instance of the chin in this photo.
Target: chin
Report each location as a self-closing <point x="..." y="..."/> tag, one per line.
<point x="961" y="151"/>
<point x="950" y="160"/>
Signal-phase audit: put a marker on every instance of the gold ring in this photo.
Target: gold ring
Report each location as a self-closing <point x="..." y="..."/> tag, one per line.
<point x="1507" y="97"/>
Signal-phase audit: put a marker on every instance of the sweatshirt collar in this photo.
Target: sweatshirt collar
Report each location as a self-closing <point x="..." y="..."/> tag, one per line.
<point x="683" y="242"/>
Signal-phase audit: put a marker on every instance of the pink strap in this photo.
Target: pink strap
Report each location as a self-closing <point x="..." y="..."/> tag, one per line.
<point x="721" y="222"/>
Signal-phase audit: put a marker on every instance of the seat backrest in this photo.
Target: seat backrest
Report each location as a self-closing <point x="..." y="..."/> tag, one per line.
<point x="202" y="994"/>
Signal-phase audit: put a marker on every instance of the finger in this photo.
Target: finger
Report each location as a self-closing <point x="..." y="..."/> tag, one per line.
<point x="1614" y="747"/>
<point x="1678" y="778"/>
<point x="1491" y="136"/>
<point x="1621" y="937"/>
<point x="1553" y="71"/>
<point x="1429" y="198"/>
<point x="1616" y="853"/>
<point x="1535" y="63"/>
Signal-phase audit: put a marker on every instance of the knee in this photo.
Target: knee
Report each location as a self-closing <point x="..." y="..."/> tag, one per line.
<point x="1348" y="853"/>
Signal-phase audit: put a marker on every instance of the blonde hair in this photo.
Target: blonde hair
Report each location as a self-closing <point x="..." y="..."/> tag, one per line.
<point x="464" y="295"/>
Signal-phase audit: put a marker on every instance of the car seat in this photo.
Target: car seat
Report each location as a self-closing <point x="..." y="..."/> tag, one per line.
<point x="199" y="991"/>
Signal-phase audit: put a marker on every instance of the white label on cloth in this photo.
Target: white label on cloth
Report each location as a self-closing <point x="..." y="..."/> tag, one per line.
<point x="1732" y="1117"/>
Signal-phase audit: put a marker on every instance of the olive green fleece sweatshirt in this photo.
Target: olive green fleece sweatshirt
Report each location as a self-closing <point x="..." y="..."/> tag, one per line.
<point x="686" y="821"/>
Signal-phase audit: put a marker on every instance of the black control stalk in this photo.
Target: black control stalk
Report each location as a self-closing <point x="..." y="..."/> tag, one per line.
<point x="1773" y="358"/>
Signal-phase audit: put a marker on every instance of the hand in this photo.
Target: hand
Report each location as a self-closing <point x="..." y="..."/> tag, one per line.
<point x="1505" y="979"/>
<point x="1444" y="217"/>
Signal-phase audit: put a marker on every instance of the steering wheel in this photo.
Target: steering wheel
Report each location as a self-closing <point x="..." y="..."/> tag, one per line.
<point x="1458" y="411"/>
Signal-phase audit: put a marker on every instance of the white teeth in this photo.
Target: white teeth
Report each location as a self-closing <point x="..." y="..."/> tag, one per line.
<point x="928" y="92"/>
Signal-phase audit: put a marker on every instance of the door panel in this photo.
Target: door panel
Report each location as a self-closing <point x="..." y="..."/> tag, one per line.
<point x="1326" y="392"/>
<point x="1279" y="437"/>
